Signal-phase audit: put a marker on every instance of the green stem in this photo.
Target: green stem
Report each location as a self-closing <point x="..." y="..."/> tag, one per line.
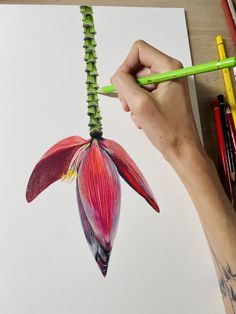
<point x="95" y="125"/>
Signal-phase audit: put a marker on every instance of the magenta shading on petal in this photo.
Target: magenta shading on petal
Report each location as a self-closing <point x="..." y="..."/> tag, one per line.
<point x="53" y="164"/>
<point x="99" y="188"/>
<point x="129" y="170"/>
<point x="101" y="254"/>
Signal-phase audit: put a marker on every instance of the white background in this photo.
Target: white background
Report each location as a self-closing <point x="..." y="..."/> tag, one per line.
<point x="160" y="262"/>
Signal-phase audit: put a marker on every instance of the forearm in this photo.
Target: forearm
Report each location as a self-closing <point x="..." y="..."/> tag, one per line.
<point x="153" y="112"/>
<point x="218" y="218"/>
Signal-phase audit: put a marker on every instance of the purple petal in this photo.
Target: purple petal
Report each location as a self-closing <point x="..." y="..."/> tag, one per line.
<point x="100" y="253"/>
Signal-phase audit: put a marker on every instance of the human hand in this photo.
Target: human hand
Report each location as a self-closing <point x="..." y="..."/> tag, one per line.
<point x="163" y="112"/>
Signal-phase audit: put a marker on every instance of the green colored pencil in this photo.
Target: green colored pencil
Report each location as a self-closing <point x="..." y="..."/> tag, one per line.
<point x="172" y="75"/>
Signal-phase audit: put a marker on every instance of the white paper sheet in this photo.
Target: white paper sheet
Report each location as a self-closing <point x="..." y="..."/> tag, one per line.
<point x="160" y="263"/>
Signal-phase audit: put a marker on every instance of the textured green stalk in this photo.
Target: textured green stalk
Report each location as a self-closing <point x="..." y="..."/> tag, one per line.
<point x="95" y="125"/>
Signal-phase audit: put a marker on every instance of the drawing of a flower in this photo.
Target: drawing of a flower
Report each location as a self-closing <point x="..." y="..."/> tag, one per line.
<point x="95" y="164"/>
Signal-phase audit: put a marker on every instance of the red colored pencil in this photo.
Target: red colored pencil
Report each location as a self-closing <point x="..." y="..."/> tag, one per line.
<point x="231" y="129"/>
<point x="229" y="19"/>
<point x="227" y="136"/>
<point x="222" y="150"/>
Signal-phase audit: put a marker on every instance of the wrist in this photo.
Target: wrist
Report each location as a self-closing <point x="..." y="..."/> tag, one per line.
<point x="188" y="158"/>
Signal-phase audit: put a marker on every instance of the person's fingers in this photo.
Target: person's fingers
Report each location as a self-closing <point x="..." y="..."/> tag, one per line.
<point x="141" y="72"/>
<point x="124" y="104"/>
<point x="129" y="90"/>
<point x="151" y="87"/>
<point x="144" y="54"/>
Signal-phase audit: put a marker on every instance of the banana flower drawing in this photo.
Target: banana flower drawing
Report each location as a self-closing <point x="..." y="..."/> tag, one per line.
<point x="95" y="164"/>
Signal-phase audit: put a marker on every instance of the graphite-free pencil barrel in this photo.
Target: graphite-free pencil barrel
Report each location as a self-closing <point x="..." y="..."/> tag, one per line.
<point x="172" y="75"/>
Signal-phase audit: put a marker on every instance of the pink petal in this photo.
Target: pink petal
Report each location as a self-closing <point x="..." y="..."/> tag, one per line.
<point x="100" y="254"/>
<point x="129" y="170"/>
<point x="53" y="164"/>
<point x="99" y="188"/>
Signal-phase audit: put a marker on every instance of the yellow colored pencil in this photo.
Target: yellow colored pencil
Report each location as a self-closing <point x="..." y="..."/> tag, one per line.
<point x="227" y="77"/>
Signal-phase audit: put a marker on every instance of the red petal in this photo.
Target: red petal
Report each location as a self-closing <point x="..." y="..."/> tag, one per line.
<point x="66" y="143"/>
<point x="100" y="253"/>
<point x="99" y="189"/>
<point x="129" y="171"/>
<point x="53" y="165"/>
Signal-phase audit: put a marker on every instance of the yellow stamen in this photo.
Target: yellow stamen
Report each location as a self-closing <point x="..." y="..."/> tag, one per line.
<point x="72" y="170"/>
<point x="69" y="176"/>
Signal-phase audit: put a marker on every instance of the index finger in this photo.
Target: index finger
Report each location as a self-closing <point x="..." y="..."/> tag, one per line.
<point x="143" y="54"/>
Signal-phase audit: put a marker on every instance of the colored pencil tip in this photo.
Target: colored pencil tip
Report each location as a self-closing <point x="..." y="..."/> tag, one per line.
<point x="100" y="90"/>
<point x="113" y="95"/>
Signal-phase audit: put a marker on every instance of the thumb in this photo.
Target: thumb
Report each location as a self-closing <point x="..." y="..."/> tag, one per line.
<point x="130" y="92"/>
